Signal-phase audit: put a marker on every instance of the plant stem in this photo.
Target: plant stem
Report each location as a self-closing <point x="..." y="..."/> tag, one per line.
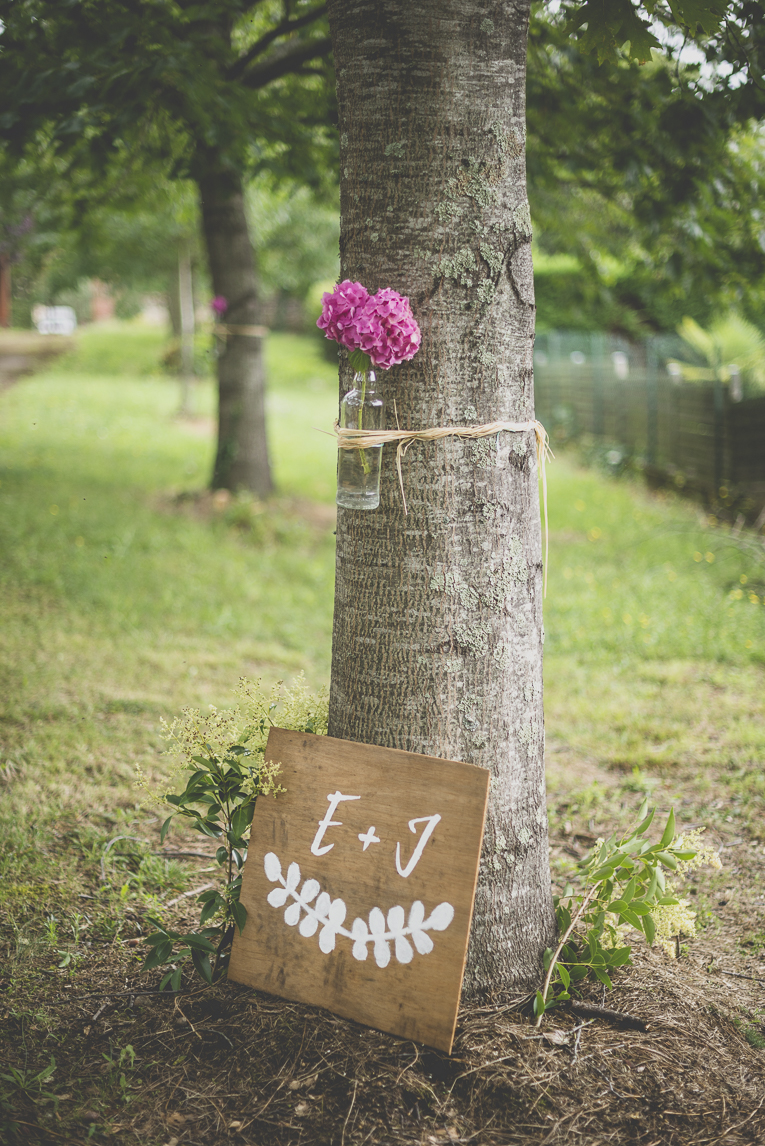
<point x="560" y="947"/>
<point x="362" y="453"/>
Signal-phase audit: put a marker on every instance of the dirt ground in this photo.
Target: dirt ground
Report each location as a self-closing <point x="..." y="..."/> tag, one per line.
<point x="227" y="1065"/>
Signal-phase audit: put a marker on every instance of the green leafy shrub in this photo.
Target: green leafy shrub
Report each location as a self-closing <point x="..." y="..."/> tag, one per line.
<point x="225" y="754"/>
<point x="620" y="885"/>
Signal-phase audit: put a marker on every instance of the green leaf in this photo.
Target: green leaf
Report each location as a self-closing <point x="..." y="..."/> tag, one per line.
<point x="222" y="855"/>
<point x="640" y="907"/>
<point x="667" y="901"/>
<point x="619" y="956"/>
<point x="209" y="829"/>
<point x="650" y="928"/>
<point x="629" y="890"/>
<point x="198" y="943"/>
<point x="239" y="911"/>
<point x="602" y="975"/>
<point x="166" y="828"/>
<point x="645" y="824"/>
<point x="610" y="25"/>
<point x="359" y="361"/>
<point x="242" y="818"/>
<point x="630" y="917"/>
<point x="157" y="956"/>
<point x="684" y="853"/>
<point x="565" y="978"/>
<point x="171" y="974"/>
<point x="667" y="859"/>
<point x="605" y="872"/>
<point x="202" y="964"/>
<point x="699" y="15"/>
<point x="617" y="906"/>
<point x="209" y="909"/>
<point x="548" y="954"/>
<point x="539" y="1004"/>
<point x="669" y="832"/>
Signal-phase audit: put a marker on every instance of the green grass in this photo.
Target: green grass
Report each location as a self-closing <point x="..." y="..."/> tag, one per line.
<point x="121" y="602"/>
<point x="118" y="608"/>
<point x="120" y="605"/>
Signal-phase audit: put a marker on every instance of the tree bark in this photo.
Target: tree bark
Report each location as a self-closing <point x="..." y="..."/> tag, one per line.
<point x="437" y="642"/>
<point x="241" y="460"/>
<point x="186" y="308"/>
<point x="5" y="291"/>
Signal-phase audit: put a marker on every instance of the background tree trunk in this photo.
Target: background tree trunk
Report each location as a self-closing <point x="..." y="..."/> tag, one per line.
<point x="437" y="643"/>
<point x="241" y="460"/>
<point x="5" y="291"/>
<point x="186" y="309"/>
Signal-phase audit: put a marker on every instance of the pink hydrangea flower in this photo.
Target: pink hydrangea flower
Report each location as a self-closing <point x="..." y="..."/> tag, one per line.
<point x="340" y="308"/>
<point x="381" y="325"/>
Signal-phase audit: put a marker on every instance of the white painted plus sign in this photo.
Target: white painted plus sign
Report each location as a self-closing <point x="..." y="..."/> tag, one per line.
<point x="369" y="837"/>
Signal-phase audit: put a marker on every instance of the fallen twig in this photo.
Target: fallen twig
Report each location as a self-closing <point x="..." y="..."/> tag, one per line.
<point x="184" y="855"/>
<point x="618" y="1018"/>
<point x="736" y="975"/>
<point x="187" y="894"/>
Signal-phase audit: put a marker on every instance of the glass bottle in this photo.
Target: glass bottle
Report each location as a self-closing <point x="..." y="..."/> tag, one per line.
<point x="358" y="471"/>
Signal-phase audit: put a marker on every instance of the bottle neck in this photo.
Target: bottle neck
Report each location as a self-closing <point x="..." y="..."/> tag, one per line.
<point x="366" y="382"/>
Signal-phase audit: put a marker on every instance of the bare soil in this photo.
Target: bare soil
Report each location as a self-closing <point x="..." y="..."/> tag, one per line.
<point x="226" y="1064"/>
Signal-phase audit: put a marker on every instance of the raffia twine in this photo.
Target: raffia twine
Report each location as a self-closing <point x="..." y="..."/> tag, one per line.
<point x="349" y="438"/>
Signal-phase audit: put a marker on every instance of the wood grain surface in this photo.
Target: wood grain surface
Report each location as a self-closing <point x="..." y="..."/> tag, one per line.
<point x="415" y="1000"/>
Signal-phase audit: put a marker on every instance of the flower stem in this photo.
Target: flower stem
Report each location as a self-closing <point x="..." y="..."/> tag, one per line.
<point x="561" y="945"/>
<point x="363" y="453"/>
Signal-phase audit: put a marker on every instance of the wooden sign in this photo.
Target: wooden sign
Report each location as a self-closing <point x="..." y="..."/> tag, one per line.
<point x="359" y="883"/>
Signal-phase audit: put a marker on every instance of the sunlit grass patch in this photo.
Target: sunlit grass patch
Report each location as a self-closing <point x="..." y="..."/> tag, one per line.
<point x="635" y="575"/>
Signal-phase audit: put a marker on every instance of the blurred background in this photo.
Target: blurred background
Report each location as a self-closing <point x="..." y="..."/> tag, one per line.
<point x="130" y="587"/>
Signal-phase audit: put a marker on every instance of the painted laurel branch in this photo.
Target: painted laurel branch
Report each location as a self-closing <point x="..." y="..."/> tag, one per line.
<point x="319" y="910"/>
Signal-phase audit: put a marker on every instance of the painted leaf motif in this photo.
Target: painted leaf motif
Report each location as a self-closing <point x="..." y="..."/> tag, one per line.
<point x="272" y="866"/>
<point x="293" y="876"/>
<point x="327" y="941"/>
<point x="404" y="952"/>
<point x="292" y="914"/>
<point x="361" y="937"/>
<point x="416" y="915"/>
<point x="322" y="905"/>
<point x="441" y="917"/>
<point x="337" y="912"/>
<point x="422" y="942"/>
<point x="311" y="889"/>
<point x="376" y="921"/>
<point x="309" y="925"/>
<point x="277" y="897"/>
<point x="382" y="952"/>
<point x="396" y="919"/>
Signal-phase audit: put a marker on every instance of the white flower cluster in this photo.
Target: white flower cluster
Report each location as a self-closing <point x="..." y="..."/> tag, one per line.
<point x="319" y="910"/>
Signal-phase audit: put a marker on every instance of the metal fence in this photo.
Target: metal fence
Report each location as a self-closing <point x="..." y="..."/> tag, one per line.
<point x="621" y="398"/>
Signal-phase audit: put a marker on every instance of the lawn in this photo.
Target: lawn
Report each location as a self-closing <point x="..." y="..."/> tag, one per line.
<point x="127" y="593"/>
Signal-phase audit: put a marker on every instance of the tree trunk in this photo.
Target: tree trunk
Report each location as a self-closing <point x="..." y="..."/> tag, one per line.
<point x="437" y="643"/>
<point x="186" y="308"/>
<point x="5" y="291"/>
<point x="241" y="460"/>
